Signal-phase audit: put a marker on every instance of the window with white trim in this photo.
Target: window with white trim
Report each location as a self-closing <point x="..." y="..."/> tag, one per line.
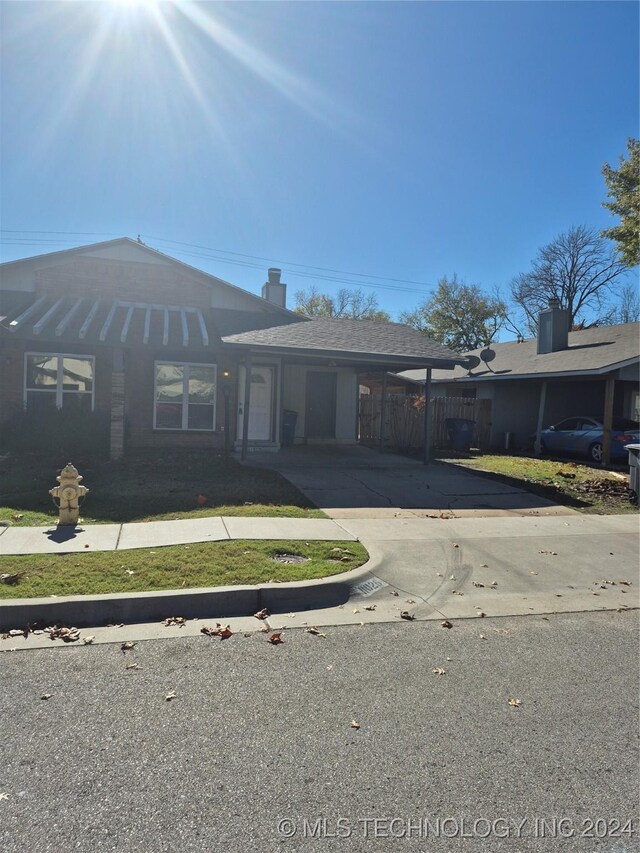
<point x="185" y="396"/>
<point x="58" y="381"/>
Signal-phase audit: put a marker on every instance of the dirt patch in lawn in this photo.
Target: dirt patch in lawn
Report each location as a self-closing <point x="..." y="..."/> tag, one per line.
<point x="571" y="484"/>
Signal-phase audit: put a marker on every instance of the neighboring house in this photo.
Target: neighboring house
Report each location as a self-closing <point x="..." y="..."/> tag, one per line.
<point x="162" y="350"/>
<point x="535" y="383"/>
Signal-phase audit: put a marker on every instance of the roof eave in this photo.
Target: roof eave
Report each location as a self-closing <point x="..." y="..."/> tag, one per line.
<point x="401" y="361"/>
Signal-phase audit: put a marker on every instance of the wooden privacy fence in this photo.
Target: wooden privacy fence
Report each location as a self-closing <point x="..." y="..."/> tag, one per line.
<point x="404" y="420"/>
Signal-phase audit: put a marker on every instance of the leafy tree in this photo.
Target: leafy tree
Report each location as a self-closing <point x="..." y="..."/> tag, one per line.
<point x="623" y="186"/>
<point x="351" y="304"/>
<point x="579" y="268"/>
<point x="458" y="315"/>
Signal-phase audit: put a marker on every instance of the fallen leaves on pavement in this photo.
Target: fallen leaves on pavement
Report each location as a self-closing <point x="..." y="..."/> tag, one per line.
<point x="438" y="670"/>
<point x="133" y="666"/>
<point x="67" y="635"/>
<point x="222" y="631"/>
<point x="127" y="646"/>
<point x="88" y="640"/>
<point x="262" y="614"/>
<point x="46" y="696"/>
<point x="515" y="703"/>
<point x="180" y="621"/>
<point x="170" y="695"/>
<point x="408" y="616"/>
<point x="315" y="631"/>
<point x="275" y="638"/>
<point x="446" y="624"/>
<point x="355" y="725"/>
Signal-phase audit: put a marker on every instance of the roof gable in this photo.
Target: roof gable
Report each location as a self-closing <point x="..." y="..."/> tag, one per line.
<point x="19" y="275"/>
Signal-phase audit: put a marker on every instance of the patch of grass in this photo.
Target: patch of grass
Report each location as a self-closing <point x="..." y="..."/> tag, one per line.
<point x="582" y="487"/>
<point x="151" y="487"/>
<point x="176" y="567"/>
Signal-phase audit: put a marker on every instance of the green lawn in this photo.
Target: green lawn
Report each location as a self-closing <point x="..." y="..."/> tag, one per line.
<point x="582" y="487"/>
<point x="148" y="487"/>
<point x="175" y="567"/>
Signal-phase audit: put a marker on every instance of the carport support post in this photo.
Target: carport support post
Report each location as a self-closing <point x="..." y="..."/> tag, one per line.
<point x="383" y="409"/>
<point x="537" y="446"/>
<point x="607" y="420"/>
<point x="245" y="407"/>
<point x="426" y="453"/>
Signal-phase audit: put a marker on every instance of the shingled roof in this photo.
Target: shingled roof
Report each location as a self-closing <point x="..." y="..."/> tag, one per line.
<point x="590" y="352"/>
<point x="341" y="337"/>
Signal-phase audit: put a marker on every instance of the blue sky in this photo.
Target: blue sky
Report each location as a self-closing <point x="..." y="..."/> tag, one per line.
<point x="401" y="140"/>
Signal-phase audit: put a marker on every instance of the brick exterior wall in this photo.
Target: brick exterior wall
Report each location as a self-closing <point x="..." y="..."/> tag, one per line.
<point x="131" y="282"/>
<point x="132" y="390"/>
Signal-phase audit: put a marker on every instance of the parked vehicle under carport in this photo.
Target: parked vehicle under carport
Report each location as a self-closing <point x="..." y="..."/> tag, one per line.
<point x="583" y="436"/>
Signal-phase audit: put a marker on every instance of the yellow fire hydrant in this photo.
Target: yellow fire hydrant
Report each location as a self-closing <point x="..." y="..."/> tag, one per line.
<point x="68" y="494"/>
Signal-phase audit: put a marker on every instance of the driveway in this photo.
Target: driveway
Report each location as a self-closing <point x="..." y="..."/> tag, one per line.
<point x="355" y="481"/>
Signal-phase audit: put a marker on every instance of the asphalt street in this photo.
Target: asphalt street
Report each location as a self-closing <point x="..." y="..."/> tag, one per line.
<point x="258" y="743"/>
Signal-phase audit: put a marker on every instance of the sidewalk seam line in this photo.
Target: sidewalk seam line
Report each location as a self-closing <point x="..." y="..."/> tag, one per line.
<point x="226" y="529"/>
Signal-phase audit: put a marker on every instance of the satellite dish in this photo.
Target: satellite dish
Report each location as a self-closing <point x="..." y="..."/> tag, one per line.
<point x="472" y="361"/>
<point x="487" y="355"/>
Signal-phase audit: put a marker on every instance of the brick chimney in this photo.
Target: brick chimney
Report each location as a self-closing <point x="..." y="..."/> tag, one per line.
<point x="274" y="290"/>
<point x="553" y="328"/>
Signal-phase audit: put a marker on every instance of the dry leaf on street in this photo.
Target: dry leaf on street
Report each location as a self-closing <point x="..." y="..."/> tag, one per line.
<point x="438" y="670"/>
<point x="174" y="620"/>
<point x="127" y="646"/>
<point x="370" y="607"/>
<point x="46" y="695"/>
<point x="455" y="545"/>
<point x="515" y="703"/>
<point x="625" y="583"/>
<point x="477" y="583"/>
<point x="446" y="624"/>
<point x="393" y="592"/>
<point x="171" y="695"/>
<point x="88" y="640"/>
<point x="262" y="614"/>
<point x="225" y="633"/>
<point x="67" y="635"/>
<point x="408" y="616"/>
<point x="315" y="631"/>
<point x="275" y="638"/>
<point x="133" y="666"/>
<point x="355" y="725"/>
<point x="482" y="637"/>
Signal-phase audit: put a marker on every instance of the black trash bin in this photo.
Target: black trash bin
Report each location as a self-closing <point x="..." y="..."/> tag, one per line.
<point x="289" y="419"/>
<point x="460" y="432"/>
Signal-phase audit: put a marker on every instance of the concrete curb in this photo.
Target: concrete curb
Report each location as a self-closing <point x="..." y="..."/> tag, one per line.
<point x="211" y="602"/>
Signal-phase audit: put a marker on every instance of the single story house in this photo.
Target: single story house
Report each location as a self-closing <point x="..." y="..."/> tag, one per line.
<point x="538" y="382"/>
<point x="163" y="351"/>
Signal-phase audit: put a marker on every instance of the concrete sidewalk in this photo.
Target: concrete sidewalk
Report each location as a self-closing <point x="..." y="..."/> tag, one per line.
<point x="155" y="534"/>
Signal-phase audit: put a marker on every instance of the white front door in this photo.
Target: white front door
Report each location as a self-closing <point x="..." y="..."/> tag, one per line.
<point x="260" y="401"/>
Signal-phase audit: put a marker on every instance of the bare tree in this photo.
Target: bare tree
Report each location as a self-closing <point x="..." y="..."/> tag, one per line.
<point x="579" y="268"/>
<point x="353" y="304"/>
<point x="628" y="308"/>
